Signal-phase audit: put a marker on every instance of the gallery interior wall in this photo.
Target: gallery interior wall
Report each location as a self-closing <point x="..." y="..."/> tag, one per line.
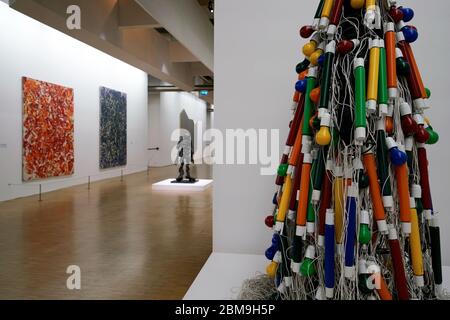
<point x="32" y="49"/>
<point x="259" y="41"/>
<point x="164" y="118"/>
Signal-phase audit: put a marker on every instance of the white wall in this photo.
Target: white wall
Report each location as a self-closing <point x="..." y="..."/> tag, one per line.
<point x="29" y="48"/>
<point x="164" y="118"/>
<point x="259" y="41"/>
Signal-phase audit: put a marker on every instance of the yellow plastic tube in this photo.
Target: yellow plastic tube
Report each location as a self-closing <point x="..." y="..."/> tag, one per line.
<point x="374" y="72"/>
<point x="416" y="248"/>
<point x="339" y="202"/>
<point x="285" y="199"/>
<point x="327" y="7"/>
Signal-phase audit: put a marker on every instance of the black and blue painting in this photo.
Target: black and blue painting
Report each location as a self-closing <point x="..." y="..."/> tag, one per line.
<point x="113" y="128"/>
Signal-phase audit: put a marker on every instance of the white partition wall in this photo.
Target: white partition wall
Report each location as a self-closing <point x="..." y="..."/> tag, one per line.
<point x="257" y="46"/>
<point x="29" y="48"/>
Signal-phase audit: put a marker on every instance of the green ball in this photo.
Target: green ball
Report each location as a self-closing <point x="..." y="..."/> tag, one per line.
<point x="282" y="170"/>
<point x="364" y="234"/>
<point x="434" y="136"/>
<point x="403" y="67"/>
<point x="363" y="180"/>
<point x="428" y="91"/>
<point x="307" y="268"/>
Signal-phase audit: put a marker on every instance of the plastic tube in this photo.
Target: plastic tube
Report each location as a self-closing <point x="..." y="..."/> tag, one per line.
<point x="326" y="12"/>
<point x="397" y="261"/>
<point x="329" y="254"/>
<point x="424" y="181"/>
<point x="307" y="113"/>
<point x="375" y="192"/>
<point x="284" y="203"/>
<point x="335" y="18"/>
<point x="318" y="174"/>
<point x="383" y="94"/>
<point x="374" y="72"/>
<point x="383" y="166"/>
<point x="435" y="239"/>
<point x="326" y="78"/>
<point x="318" y="14"/>
<point x="350" y="238"/>
<point x="303" y="196"/>
<point x="360" y="100"/>
<point x="338" y="203"/>
<point x="391" y="60"/>
<point x="325" y="202"/>
<point x="416" y="247"/>
<point x="401" y="175"/>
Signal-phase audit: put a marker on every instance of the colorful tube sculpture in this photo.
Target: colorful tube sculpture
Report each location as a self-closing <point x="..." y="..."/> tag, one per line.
<point x="353" y="215"/>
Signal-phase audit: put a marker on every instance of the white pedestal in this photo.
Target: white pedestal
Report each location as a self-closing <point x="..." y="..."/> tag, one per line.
<point x="167" y="185"/>
<point x="223" y="274"/>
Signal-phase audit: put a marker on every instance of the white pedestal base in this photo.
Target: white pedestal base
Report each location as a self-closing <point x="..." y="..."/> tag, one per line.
<point x="167" y="185"/>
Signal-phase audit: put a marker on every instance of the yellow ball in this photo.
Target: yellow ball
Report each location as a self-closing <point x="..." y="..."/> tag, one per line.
<point x="314" y="58"/>
<point x="357" y="4"/>
<point x="323" y="137"/>
<point x="309" y="48"/>
<point x="272" y="269"/>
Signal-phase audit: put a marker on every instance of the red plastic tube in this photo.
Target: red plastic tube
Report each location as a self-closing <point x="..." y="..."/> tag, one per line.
<point x="417" y="89"/>
<point x="424" y="178"/>
<point x="399" y="269"/>
<point x="296" y="122"/>
<point x="336" y="13"/>
<point x="325" y="200"/>
<point x="296" y="186"/>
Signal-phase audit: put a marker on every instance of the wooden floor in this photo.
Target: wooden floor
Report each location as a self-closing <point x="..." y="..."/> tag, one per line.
<point x="129" y="241"/>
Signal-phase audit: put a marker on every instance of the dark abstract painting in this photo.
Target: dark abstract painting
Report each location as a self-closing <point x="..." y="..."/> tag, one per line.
<point x="113" y="128"/>
<point x="48" y="130"/>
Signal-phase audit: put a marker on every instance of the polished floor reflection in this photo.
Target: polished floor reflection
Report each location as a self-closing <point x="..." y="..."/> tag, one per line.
<point x="129" y="241"/>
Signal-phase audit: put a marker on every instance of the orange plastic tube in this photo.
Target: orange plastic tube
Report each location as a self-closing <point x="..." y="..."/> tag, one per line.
<point x="303" y="194"/>
<point x="296" y="150"/>
<point x="415" y="245"/>
<point x="339" y="202"/>
<point x="375" y="190"/>
<point x="409" y="54"/>
<point x="383" y="291"/>
<point x="401" y="174"/>
<point x="390" y="41"/>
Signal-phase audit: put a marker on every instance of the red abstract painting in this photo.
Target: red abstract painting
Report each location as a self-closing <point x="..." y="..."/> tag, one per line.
<point x="48" y="130"/>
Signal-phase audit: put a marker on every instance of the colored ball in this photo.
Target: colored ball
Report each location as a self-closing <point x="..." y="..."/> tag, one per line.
<point x="396" y="14"/>
<point x="270" y="253"/>
<point x="357" y="4"/>
<point x="434" y="136"/>
<point x="276" y="241"/>
<point x="389" y="125"/>
<point x="300" y="86"/>
<point x="309" y="48"/>
<point x="410" y="33"/>
<point x="398" y="157"/>
<point x="403" y="67"/>
<point x="363" y="180"/>
<point x="408" y="14"/>
<point x="269" y="221"/>
<point x="344" y="46"/>
<point x="303" y="75"/>
<point x="428" y="91"/>
<point x="275" y="199"/>
<point x="315" y="95"/>
<point x="307" y="269"/>
<point x="422" y="135"/>
<point x="282" y="169"/>
<point x="306" y="31"/>
<point x="271" y="270"/>
<point x="314" y="58"/>
<point x="364" y="234"/>
<point x="302" y="66"/>
<point x="321" y="60"/>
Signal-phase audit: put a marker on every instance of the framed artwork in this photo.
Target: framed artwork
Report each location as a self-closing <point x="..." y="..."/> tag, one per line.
<point x="113" y="128"/>
<point x="48" y="130"/>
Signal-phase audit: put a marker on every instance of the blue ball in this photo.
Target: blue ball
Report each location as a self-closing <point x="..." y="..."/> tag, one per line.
<point x="321" y="60"/>
<point x="408" y="14"/>
<point x="410" y="34"/>
<point x="300" y="86"/>
<point x="270" y="253"/>
<point x="398" y="157"/>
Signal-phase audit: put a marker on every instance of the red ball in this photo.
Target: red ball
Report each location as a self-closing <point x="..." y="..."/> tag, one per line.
<point x="422" y="135"/>
<point x="270" y="221"/>
<point x="306" y="32"/>
<point x="396" y="14"/>
<point x="345" y="46"/>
